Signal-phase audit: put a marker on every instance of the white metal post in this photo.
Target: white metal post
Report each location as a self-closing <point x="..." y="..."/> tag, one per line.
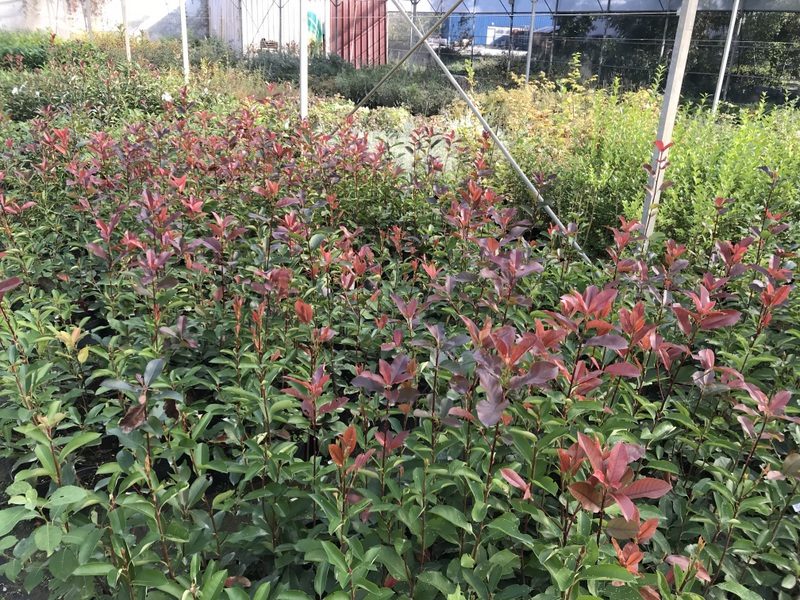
<point x="125" y="32"/>
<point x="530" y="42"/>
<point x="669" y="111"/>
<point x="184" y="41"/>
<point x="303" y="59"/>
<point x="510" y="34"/>
<point x="723" y="67"/>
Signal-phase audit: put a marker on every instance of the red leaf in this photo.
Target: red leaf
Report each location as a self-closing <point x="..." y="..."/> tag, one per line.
<point x="589" y="497"/>
<point x="646" y="531"/>
<point x="609" y="340"/>
<point x="648" y="592"/>
<point x="661" y="146"/>
<point x="617" y="464"/>
<point x="369" y="381"/>
<point x="684" y="564"/>
<point x="623" y="369"/>
<point x="236" y="579"/>
<point x="513" y="478"/>
<point x="304" y="311"/>
<point x="721" y="318"/>
<point x="647" y="487"/>
<point x="683" y="316"/>
<point x="491" y="409"/>
<point x="97" y="250"/>
<point x="9" y="284"/>
<point x="591" y="448"/>
<point x="461" y="413"/>
<point x="489" y="413"/>
<point x="332" y="405"/>
<point x="349" y="438"/>
<point x="628" y="508"/>
<point x="361" y="461"/>
<point x="622" y="529"/>
<point x="336" y="454"/>
<point x="539" y="374"/>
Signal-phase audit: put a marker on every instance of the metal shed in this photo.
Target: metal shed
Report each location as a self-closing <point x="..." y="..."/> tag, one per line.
<point x="353" y="29"/>
<point x="252" y="25"/>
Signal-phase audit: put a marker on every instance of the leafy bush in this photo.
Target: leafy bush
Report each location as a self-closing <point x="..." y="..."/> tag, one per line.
<point x="23" y="50"/>
<point x="102" y="91"/>
<point x="588" y="147"/>
<point x="244" y="359"/>
<point x="418" y="90"/>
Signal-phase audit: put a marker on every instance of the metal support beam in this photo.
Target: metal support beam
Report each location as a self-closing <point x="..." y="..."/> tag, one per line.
<point x="500" y="145"/>
<point x="530" y="42"/>
<point x="669" y="111"/>
<point x="303" y="59"/>
<point x="184" y="42"/>
<point x="510" y="34"/>
<point x="723" y="67"/>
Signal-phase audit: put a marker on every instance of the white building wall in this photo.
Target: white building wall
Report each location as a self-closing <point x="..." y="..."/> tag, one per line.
<point x="155" y="18"/>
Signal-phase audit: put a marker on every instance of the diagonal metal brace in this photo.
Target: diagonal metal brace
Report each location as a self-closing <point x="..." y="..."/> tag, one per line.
<point x="422" y="41"/>
<point x="514" y="164"/>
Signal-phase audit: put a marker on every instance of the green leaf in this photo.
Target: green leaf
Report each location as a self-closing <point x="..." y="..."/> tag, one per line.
<point x="508" y="524"/>
<point x="63" y="564"/>
<point x="173" y="589"/>
<point x="93" y="569"/>
<point x="214" y="585"/>
<point x="153" y="370"/>
<point x="9" y="517"/>
<point x="77" y="441"/>
<point x="336" y="557"/>
<point x="68" y="494"/>
<point x="316" y="240"/>
<point x="45" y="457"/>
<point x="738" y="590"/>
<point x="452" y="515"/>
<point x="390" y="559"/>
<point x="438" y="581"/>
<point x="146" y="577"/>
<point x="47" y="538"/>
<point x="262" y="593"/>
<point x="606" y="573"/>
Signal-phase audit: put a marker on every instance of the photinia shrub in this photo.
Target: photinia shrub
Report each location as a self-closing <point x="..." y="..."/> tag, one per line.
<point x="235" y="366"/>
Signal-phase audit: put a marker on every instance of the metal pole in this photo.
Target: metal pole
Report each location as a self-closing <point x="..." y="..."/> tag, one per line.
<point x="303" y="59"/>
<point x="669" y="110"/>
<point x="664" y="38"/>
<point x="735" y="56"/>
<point x="414" y="18"/>
<point x="184" y="42"/>
<point x="530" y="42"/>
<point x="552" y="39"/>
<point x="501" y="146"/>
<point x="510" y="35"/>
<point x="472" y="44"/>
<point x="125" y="32"/>
<point x="723" y="67"/>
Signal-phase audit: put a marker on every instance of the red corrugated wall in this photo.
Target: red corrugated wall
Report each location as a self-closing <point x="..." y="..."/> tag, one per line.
<point x="358" y="28"/>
